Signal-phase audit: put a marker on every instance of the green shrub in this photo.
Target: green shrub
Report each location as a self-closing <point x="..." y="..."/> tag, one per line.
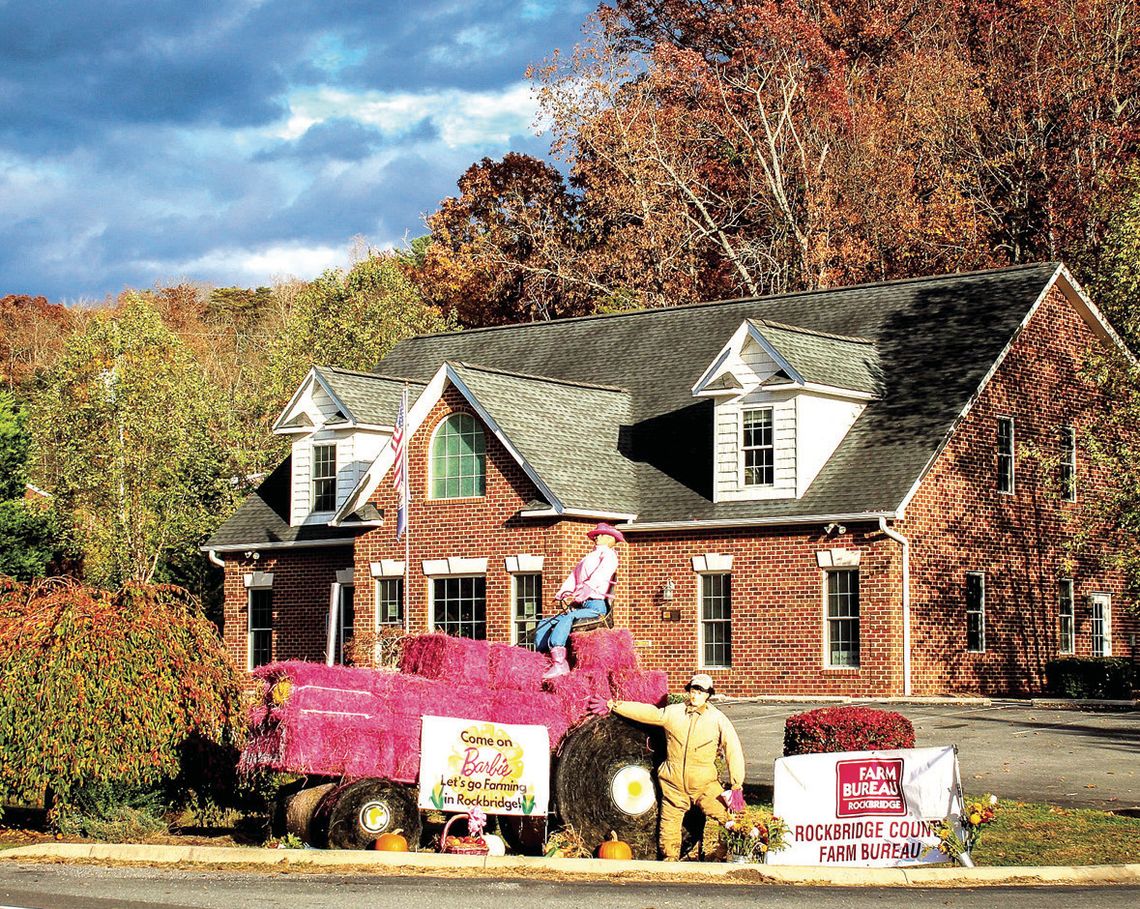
<point x="112" y="812"/>
<point x="832" y="729"/>
<point x="130" y="689"/>
<point x="1107" y="678"/>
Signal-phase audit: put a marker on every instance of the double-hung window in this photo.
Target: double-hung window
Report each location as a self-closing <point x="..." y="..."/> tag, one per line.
<point x="527" y="608"/>
<point x="1099" y="625"/>
<point x="324" y="477"/>
<point x="459" y="606"/>
<point x="758" y="447"/>
<point x="1005" y="462"/>
<point x="975" y="611"/>
<point x="716" y="621"/>
<point x="1066" y="627"/>
<point x="843" y="619"/>
<point x="1068" y="472"/>
<point x="260" y="626"/>
<point x="390" y="601"/>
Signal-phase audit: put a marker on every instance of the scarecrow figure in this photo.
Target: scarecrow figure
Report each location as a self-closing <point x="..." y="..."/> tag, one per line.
<point x="583" y="595"/>
<point x="695" y="732"/>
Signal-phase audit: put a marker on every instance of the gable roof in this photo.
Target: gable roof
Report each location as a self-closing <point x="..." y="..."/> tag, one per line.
<point x="368" y="398"/>
<point x="920" y="349"/>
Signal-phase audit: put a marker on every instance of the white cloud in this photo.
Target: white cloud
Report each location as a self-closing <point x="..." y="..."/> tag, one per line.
<point x="462" y="118"/>
<point x="262" y="266"/>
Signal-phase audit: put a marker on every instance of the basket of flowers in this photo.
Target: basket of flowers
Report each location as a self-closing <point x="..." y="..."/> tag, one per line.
<point x="753" y="840"/>
<point x="471" y="844"/>
<point x="956" y="840"/>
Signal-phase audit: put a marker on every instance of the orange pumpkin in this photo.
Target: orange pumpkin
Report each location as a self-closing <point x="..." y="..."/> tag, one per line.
<point x="391" y="842"/>
<point x="613" y="848"/>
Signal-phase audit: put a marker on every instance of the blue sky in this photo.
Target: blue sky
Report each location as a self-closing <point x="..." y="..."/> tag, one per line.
<point x="235" y="141"/>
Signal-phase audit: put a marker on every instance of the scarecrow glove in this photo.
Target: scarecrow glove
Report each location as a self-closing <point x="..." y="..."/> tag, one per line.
<point x="597" y="705"/>
<point x="734" y="799"/>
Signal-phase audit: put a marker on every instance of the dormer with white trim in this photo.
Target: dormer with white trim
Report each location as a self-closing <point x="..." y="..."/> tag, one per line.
<point x="784" y="398"/>
<point x="339" y="421"/>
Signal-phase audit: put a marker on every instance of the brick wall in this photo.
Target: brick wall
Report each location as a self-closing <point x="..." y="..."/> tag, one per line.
<point x="959" y="522"/>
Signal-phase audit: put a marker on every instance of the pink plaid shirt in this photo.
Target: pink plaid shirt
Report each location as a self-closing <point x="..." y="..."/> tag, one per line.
<point x="591" y="577"/>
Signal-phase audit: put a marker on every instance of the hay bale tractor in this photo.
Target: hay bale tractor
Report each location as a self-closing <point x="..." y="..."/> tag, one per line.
<point x="354" y="736"/>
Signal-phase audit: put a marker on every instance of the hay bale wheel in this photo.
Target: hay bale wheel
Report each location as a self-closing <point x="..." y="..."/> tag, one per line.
<point x="297" y="810"/>
<point x="353" y="815"/>
<point x="605" y="780"/>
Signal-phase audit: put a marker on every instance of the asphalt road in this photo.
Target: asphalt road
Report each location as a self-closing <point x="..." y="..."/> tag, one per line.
<point x="87" y="887"/>
<point x="1077" y="759"/>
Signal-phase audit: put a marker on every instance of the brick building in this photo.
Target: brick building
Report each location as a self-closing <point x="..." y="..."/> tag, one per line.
<point x="865" y="491"/>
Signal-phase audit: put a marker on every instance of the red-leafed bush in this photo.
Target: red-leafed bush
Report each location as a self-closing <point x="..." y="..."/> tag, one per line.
<point x="831" y="729"/>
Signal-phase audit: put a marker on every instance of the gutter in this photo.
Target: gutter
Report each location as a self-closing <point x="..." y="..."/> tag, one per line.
<point x="211" y="551"/>
<point x="212" y="555"/>
<point x="905" y="544"/>
<point x="772" y="521"/>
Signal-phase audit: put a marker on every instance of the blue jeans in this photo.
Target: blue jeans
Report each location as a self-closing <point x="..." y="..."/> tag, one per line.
<point x="554" y="631"/>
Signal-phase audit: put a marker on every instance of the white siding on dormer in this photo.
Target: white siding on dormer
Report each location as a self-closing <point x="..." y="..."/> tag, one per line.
<point x="729" y="485"/>
<point x="355" y="452"/>
<point x="757" y="361"/>
<point x="325" y="406"/>
<point x="823" y="422"/>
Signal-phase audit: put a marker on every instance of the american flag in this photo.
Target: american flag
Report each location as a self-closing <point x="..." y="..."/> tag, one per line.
<point x="400" y="468"/>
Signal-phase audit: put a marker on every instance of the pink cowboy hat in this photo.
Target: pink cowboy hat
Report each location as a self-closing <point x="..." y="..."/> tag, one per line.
<point x="607" y="529"/>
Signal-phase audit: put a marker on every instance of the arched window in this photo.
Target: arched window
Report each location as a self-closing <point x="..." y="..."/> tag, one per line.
<point x="458" y="459"/>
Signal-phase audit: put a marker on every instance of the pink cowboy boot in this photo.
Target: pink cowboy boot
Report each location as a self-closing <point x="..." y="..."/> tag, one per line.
<point x="558" y="664"/>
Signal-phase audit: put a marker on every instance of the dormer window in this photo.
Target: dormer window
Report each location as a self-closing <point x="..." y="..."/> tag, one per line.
<point x="324" y="477"/>
<point x="758" y="448"/>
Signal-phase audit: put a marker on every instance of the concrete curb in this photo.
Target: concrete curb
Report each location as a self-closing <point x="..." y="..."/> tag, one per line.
<point x="933" y="701"/>
<point x="1076" y="703"/>
<point x="508" y="866"/>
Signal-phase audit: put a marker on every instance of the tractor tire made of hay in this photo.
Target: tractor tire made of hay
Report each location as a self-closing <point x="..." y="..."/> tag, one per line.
<point x="605" y="780"/>
<point x="353" y="815"/>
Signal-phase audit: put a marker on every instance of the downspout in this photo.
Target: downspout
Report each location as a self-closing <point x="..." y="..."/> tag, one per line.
<point x="212" y="555"/>
<point x="333" y="624"/>
<point x="905" y="544"/>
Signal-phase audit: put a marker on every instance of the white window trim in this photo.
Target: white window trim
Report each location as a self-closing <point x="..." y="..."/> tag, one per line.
<point x="377" y="580"/>
<point x="431" y="459"/>
<point x="249" y="629"/>
<point x="982" y="575"/>
<point x="713" y="563"/>
<point x="826" y="635"/>
<point x="1069" y="459"/>
<point x="701" y="664"/>
<point x="524" y="564"/>
<point x="1012" y="456"/>
<point x="1106" y="617"/>
<point x="1067" y="647"/>
<point x="387" y="568"/>
<point x="441" y="576"/>
<point x="454" y="566"/>
<point x="515" y="600"/>
<point x="742" y="458"/>
<point x="313" y="477"/>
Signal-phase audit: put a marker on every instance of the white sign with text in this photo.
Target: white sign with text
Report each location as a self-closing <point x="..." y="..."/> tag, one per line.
<point x="865" y="808"/>
<point x="465" y="764"/>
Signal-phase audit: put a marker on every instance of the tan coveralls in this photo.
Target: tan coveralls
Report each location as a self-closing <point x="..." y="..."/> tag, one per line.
<point x="693" y="736"/>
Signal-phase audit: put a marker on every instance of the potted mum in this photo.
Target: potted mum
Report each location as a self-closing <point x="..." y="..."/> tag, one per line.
<point x="752" y="841"/>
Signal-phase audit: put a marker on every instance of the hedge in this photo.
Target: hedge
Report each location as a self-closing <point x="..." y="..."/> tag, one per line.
<point x="1108" y="678"/>
<point x="831" y="729"/>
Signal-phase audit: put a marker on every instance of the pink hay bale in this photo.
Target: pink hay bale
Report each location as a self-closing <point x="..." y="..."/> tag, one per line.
<point x="367" y="755"/>
<point x="349" y="701"/>
<point x="262" y="752"/>
<point x="516" y="668"/>
<point x="301" y="672"/>
<point x="465" y="703"/>
<point x="412" y="696"/>
<point x="575" y="690"/>
<point x="647" y="687"/>
<point x="527" y="708"/>
<point x="256" y="715"/>
<point x="609" y="649"/>
<point x="446" y="658"/>
<point x="406" y="766"/>
<point x="324" y="743"/>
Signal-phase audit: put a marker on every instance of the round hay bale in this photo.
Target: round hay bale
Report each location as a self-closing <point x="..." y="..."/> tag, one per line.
<point x="353" y="815"/>
<point x="605" y="780"/>
<point x="298" y="810"/>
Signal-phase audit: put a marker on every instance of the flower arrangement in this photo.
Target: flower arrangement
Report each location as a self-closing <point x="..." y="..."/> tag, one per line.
<point x="753" y="841"/>
<point x="975" y="816"/>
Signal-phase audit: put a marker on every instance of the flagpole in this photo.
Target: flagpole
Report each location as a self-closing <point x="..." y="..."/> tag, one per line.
<point x="407" y="493"/>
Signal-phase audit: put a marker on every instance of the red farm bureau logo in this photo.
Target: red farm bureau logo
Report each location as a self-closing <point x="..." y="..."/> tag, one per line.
<point x="871" y="786"/>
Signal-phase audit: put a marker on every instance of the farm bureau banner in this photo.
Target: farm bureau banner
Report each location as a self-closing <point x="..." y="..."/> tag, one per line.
<point x="866" y="808"/>
<point x="466" y="764"/>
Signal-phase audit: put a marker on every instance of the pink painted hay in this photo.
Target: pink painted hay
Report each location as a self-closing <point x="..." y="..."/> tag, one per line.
<point x="527" y="708"/>
<point x="647" y="687"/>
<point x="256" y="715"/>
<point x="609" y="649"/>
<point x="576" y="689"/>
<point x="406" y="765"/>
<point x="446" y="658"/>
<point x="516" y="668"/>
<point x="412" y="696"/>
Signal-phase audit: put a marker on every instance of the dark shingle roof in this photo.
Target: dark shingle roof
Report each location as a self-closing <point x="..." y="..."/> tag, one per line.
<point x="825" y="359"/>
<point x="371" y="398"/>
<point x="574" y="448"/>
<point x="263" y="518"/>
<point x="934" y="340"/>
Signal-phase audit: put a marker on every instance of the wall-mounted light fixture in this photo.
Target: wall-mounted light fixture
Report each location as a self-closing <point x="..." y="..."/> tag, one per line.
<point x="834" y="530"/>
<point x="252" y="554"/>
<point x="667" y="590"/>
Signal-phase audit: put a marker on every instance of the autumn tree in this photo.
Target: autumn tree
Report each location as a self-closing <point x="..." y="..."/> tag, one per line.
<point x="27" y="533"/>
<point x="32" y="334"/>
<point x="125" y="429"/>
<point x="351" y="320"/>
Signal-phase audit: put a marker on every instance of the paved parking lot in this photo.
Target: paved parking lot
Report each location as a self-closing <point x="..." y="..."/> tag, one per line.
<point x="1065" y="757"/>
